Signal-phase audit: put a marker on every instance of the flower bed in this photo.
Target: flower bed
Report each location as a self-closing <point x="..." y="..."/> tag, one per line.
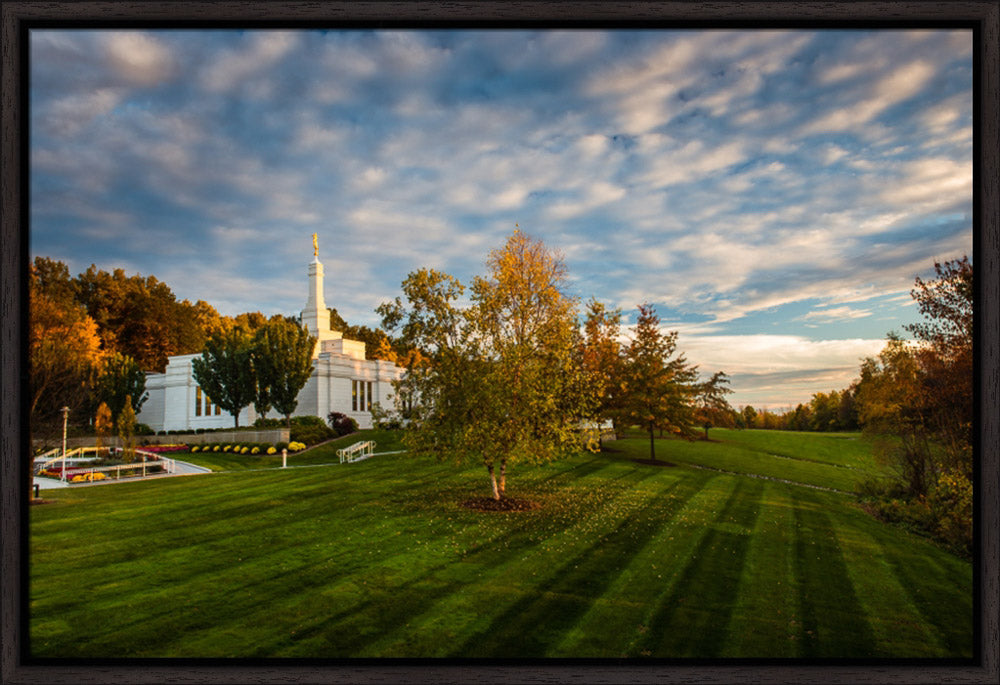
<point x="163" y="448"/>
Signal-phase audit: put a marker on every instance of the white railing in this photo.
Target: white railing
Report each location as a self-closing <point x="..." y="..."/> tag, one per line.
<point x="78" y="454"/>
<point x="357" y="451"/>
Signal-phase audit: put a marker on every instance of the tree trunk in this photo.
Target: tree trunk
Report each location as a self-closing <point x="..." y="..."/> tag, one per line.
<point x="236" y="419"/>
<point x="706" y="431"/>
<point x="288" y="423"/>
<point x="503" y="477"/>
<point x="652" y="450"/>
<point x="493" y="482"/>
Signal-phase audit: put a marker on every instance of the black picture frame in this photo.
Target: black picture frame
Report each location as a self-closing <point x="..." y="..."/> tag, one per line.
<point x="18" y="17"/>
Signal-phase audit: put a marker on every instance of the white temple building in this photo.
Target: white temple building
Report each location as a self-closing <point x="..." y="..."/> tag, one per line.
<point x="342" y="379"/>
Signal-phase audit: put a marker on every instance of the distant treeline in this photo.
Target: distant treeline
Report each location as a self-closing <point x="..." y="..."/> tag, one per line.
<point x="826" y="411"/>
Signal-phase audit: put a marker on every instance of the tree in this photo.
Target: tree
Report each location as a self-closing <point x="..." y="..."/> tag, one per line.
<point x="659" y="385"/>
<point x="712" y="408"/>
<point x="225" y="371"/>
<point x="282" y="364"/>
<point x="825" y="410"/>
<point x="501" y="381"/>
<point x="749" y="416"/>
<point x="921" y="394"/>
<point x="140" y="316"/>
<point x="892" y="401"/>
<point x="126" y="428"/>
<point x="63" y="348"/>
<point x="120" y="378"/>
<point x="601" y="358"/>
<point x="103" y="425"/>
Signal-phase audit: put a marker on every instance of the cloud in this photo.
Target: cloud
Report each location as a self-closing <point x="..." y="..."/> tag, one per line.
<point x="139" y="58"/>
<point x="239" y="66"/>
<point x="668" y="166"/>
<point x="835" y="314"/>
<point x="778" y="370"/>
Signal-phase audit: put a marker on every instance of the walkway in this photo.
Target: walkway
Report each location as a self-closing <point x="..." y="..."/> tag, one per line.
<point x="182" y="468"/>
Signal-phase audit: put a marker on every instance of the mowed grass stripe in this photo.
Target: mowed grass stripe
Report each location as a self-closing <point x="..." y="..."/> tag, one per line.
<point x="937" y="585"/>
<point x="834" y="623"/>
<point x="765" y="616"/>
<point x="691" y="620"/>
<point x="616" y="621"/>
<point x="550" y="564"/>
<point x="896" y="623"/>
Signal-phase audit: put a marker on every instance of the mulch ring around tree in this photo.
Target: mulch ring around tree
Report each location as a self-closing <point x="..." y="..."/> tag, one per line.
<point x="653" y="462"/>
<point x="502" y="504"/>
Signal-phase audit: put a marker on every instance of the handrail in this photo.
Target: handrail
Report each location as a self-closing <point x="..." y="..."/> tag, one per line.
<point x="170" y="464"/>
<point x="350" y="454"/>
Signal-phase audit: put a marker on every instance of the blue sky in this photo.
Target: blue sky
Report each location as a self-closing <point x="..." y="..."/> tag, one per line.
<point x="772" y="193"/>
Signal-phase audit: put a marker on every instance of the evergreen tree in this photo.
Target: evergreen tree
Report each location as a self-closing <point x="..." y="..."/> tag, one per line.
<point x="712" y="407"/>
<point x="659" y="386"/>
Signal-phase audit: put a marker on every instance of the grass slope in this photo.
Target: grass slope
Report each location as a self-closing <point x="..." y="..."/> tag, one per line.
<point x="377" y="559"/>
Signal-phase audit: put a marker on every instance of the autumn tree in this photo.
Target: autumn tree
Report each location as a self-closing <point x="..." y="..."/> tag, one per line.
<point x="140" y="316"/>
<point x="712" y="408"/>
<point x="658" y="381"/>
<point x="225" y="371"/>
<point x="501" y="381"/>
<point x="63" y="347"/>
<point x="103" y="426"/>
<point x="282" y="364"/>
<point x="921" y="394"/>
<point x="126" y="428"/>
<point x="601" y="359"/>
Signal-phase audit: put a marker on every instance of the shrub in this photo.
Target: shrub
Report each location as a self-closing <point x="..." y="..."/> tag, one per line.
<point x="295" y="446"/>
<point x="269" y="423"/>
<point x="311" y="434"/>
<point x="255" y="450"/>
<point x="307" y="421"/>
<point x="244" y="450"/>
<point x="272" y="450"/>
<point x="194" y="449"/>
<point x="227" y="448"/>
<point x="281" y="446"/>
<point x="342" y="423"/>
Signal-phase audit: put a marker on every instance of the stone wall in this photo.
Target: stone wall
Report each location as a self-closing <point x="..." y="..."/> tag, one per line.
<point x="269" y="436"/>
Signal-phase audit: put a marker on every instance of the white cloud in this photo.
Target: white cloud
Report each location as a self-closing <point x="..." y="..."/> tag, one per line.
<point x="235" y="67"/>
<point x="895" y="87"/>
<point x="139" y="58"/>
<point x="835" y="314"/>
<point x="70" y="114"/>
<point x="930" y="183"/>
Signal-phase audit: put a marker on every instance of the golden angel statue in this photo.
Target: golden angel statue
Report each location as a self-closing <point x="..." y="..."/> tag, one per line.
<point x="315" y="246"/>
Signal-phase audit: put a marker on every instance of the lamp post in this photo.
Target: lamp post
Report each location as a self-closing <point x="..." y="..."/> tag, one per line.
<point x="65" y="413"/>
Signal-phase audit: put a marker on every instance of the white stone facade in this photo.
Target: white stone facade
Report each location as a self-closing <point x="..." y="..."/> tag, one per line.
<point x="342" y="379"/>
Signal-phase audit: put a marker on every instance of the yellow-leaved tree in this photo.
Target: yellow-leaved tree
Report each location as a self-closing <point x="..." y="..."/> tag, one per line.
<point x="501" y="380"/>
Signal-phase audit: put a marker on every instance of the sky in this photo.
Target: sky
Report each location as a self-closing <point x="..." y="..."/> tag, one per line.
<point x="773" y="194"/>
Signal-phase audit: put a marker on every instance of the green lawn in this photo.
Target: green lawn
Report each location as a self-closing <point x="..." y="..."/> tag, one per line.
<point x="376" y="558"/>
<point x="386" y="441"/>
